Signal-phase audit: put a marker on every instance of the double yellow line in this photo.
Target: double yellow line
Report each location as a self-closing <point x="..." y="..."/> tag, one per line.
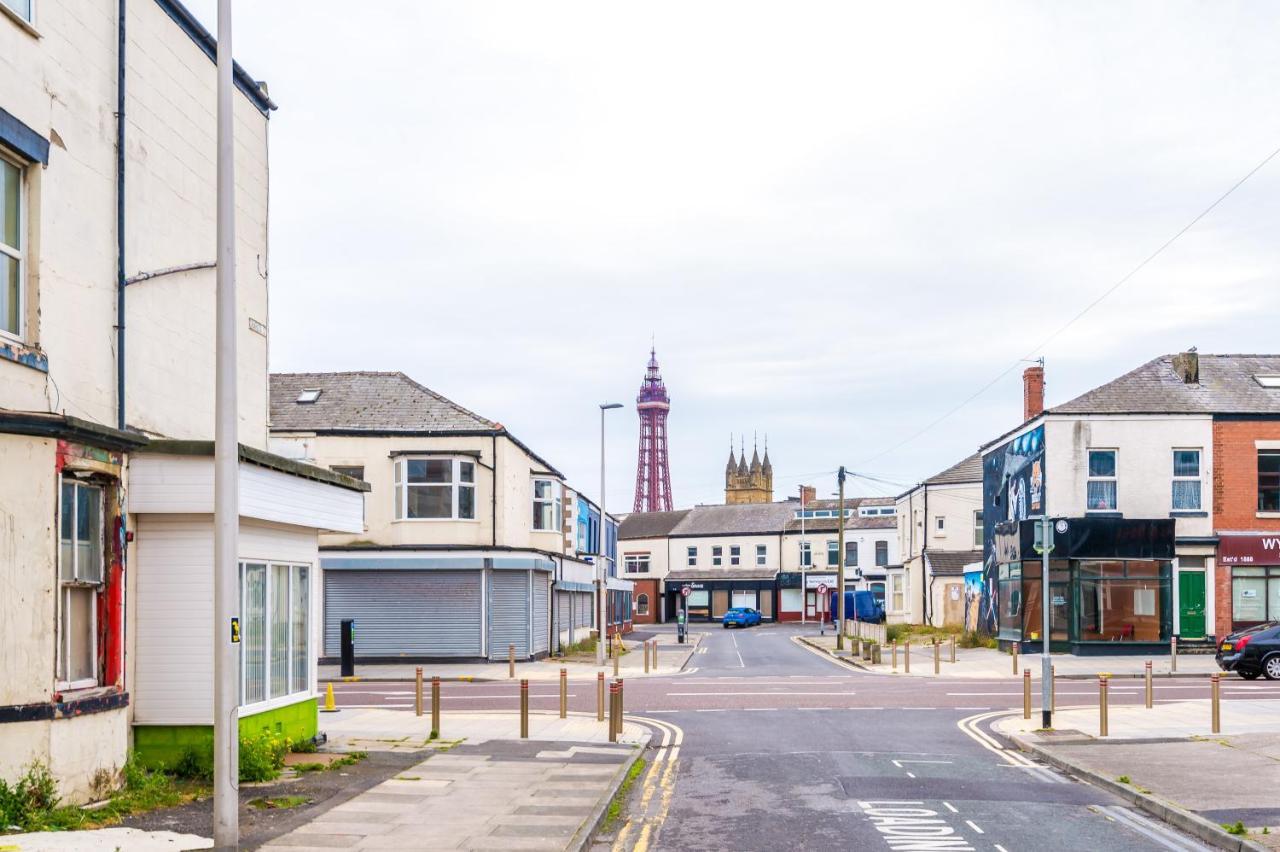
<point x="656" y="791"/>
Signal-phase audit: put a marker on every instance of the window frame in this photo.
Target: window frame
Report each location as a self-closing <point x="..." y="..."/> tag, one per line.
<point x="882" y="547"/>
<point x="897" y="592"/>
<point x="833" y="552"/>
<point x="401" y="486"/>
<point x="851" y="553"/>
<point x="717" y="555"/>
<point x="978" y="529"/>
<point x="79" y="583"/>
<point x="292" y="675"/>
<point x="806" y="555"/>
<point x="940" y="526"/>
<point x="631" y="561"/>
<point x="1198" y="479"/>
<point x="1114" y="478"/>
<point x="555" y="502"/>
<point x="762" y="554"/>
<point x="29" y="21"/>
<point x="19" y="253"/>
<point x="691" y="556"/>
<point x="735" y="554"/>
<point x="1274" y="489"/>
<point x="642" y="604"/>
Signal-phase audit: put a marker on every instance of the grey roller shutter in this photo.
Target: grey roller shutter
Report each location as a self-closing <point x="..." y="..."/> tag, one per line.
<point x="508" y="613"/>
<point x="405" y="613"/>
<point x="541" y="612"/>
<point x="583" y="609"/>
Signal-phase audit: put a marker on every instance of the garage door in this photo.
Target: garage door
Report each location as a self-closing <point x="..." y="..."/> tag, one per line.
<point x="508" y="613"/>
<point x="405" y="613"/>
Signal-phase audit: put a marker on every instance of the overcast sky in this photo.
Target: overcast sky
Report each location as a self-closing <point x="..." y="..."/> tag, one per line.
<point x="837" y="220"/>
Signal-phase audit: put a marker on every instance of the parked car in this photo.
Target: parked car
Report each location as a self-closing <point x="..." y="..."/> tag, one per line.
<point x="741" y="616"/>
<point x="1252" y="652"/>
<point x="861" y="605"/>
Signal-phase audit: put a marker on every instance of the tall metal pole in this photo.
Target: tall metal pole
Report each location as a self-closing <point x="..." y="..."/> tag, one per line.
<point x="804" y="583"/>
<point x="602" y="575"/>
<point x="226" y="497"/>
<point x="840" y="567"/>
<point x="1046" y="663"/>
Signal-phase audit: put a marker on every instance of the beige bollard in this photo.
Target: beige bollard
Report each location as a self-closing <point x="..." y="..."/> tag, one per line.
<point x="617" y="660"/>
<point x="620" y="706"/>
<point x="906" y="658"/>
<point x="646" y="656"/>
<point x="417" y="691"/>
<point x="613" y="712"/>
<point x="953" y="648"/>
<point x="937" y="657"/>
<point x="1146" y="676"/>
<point x="1215" y="695"/>
<point x="894" y="654"/>
<point x="599" y="696"/>
<point x="435" y="706"/>
<point x="1173" y="653"/>
<point x="511" y="660"/>
<point x="524" y="709"/>
<point x="1102" y="705"/>
<point x="564" y="693"/>
<point x="1013" y="649"/>
<point x="1026" y="693"/>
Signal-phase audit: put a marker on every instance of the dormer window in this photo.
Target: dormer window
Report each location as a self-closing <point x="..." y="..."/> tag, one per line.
<point x="308" y="396"/>
<point x="1268" y="381"/>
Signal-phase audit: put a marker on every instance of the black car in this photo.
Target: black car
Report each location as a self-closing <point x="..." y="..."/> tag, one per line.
<point x="1252" y="652"/>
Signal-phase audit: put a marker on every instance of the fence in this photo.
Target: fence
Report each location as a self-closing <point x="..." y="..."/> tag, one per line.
<point x="877" y="633"/>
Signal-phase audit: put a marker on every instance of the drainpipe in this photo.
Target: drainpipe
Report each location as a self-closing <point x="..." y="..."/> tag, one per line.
<point x="924" y="546"/>
<point x="493" y="495"/>
<point x="120" y="47"/>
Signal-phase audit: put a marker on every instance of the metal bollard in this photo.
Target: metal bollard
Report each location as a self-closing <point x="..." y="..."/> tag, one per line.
<point x="599" y="696"/>
<point x="617" y="660"/>
<point x="1053" y="689"/>
<point x="1147" y="678"/>
<point x="620" y="707"/>
<point x="953" y="649"/>
<point x="564" y="693"/>
<point x="894" y="654"/>
<point x="613" y="711"/>
<point x="1014" y="650"/>
<point x="435" y="706"/>
<point x="1026" y="693"/>
<point x="937" y="657"/>
<point x="646" y="656"/>
<point x="524" y="709"/>
<point x="1173" y="653"/>
<point x="511" y="660"/>
<point x="1102" y="705"/>
<point x="906" y="658"/>
<point x="417" y="691"/>
<point x="1215" y="694"/>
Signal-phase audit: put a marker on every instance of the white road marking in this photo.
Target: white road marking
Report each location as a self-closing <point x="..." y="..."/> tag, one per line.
<point x="948" y="805"/>
<point x="743" y="665"/>
<point x="970" y="822"/>
<point x="756" y="693"/>
<point x="912" y="774"/>
<point x="1000" y="848"/>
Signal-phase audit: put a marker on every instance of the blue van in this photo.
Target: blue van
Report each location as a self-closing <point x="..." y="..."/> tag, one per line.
<point x="862" y="606"/>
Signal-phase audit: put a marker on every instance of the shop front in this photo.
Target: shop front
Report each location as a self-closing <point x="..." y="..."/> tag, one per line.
<point x="798" y="592"/>
<point x="711" y="596"/>
<point x="1252" y="562"/>
<point x="1109" y="585"/>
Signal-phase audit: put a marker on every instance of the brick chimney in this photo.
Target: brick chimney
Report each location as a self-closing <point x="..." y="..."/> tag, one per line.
<point x="1187" y="366"/>
<point x="808" y="494"/>
<point x="1032" y="392"/>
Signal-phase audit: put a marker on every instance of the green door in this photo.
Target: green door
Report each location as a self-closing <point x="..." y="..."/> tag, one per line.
<point x="1191" y="599"/>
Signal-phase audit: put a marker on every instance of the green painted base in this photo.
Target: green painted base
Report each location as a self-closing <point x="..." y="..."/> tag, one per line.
<point x="164" y="745"/>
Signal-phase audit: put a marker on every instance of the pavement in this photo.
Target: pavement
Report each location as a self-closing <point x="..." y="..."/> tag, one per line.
<point x="672" y="657"/>
<point x="103" y="840"/>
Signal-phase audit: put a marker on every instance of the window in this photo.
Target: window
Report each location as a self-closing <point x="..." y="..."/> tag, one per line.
<point x="1269" y="481"/>
<point x="1186" y="480"/>
<point x="546" y="504"/>
<point x="275" y="626"/>
<point x="1267" y="381"/>
<point x="635" y="563"/>
<point x="735" y="554"/>
<point x="692" y="558"/>
<point x="1100" y="489"/>
<point x="806" y="554"/>
<point x="1122" y="601"/>
<point x="882" y="553"/>
<point x="897" y="592"/>
<point x="642" y="604"/>
<point x="717" y="554"/>
<point x="24" y="9"/>
<point x="762" y="554"/>
<point x="851" y="553"/>
<point x="353" y="471"/>
<point x="876" y="511"/>
<point x="435" y="489"/>
<point x="940" y="525"/>
<point x="977" y="528"/>
<point x="80" y="567"/>
<point x="833" y="552"/>
<point x="12" y="210"/>
<point x="308" y="396"/>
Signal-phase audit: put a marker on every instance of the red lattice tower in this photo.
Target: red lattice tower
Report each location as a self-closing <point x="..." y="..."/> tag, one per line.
<point x="653" y="475"/>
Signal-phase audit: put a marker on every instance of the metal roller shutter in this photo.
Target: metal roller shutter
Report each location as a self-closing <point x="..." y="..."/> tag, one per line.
<point x="541" y="612"/>
<point x="582" y="609"/>
<point x="405" y="613"/>
<point x="508" y="613"/>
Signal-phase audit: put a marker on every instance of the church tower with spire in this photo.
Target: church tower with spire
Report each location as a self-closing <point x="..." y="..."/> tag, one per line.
<point x="748" y="483"/>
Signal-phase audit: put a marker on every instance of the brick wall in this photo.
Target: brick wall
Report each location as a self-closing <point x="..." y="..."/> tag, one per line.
<point x="1235" y="494"/>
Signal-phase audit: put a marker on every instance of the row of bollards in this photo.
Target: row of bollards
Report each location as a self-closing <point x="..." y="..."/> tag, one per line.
<point x="906" y="655"/>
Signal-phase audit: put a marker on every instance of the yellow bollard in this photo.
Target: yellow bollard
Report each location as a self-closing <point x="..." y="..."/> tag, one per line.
<point x="1026" y="693"/>
<point x="417" y="691"/>
<point x="564" y="693"/>
<point x="1102" y="705"/>
<point x="1215" y="694"/>
<point x="599" y="696"/>
<point x="329" y="705"/>
<point x="1147" y="677"/>
<point x="435" y="706"/>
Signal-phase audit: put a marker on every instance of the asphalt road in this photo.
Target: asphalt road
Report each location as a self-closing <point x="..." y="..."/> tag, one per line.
<point x="773" y="746"/>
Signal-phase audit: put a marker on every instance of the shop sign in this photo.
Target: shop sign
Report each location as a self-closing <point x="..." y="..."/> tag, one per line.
<point x="813" y="582"/>
<point x="1248" y="550"/>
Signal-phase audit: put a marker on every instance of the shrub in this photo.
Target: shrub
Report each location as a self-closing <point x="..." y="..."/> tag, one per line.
<point x="261" y="758"/>
<point x="974" y="639"/>
<point x="27" y="802"/>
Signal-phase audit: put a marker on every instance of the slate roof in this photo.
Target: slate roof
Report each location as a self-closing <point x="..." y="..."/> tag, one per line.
<point x="367" y="402"/>
<point x="1227" y="386"/>
<point x="680" y="574"/>
<point x="969" y="470"/>
<point x="880" y="522"/>
<point x="950" y="563"/>
<point x="650" y="524"/>
<point x="743" y="519"/>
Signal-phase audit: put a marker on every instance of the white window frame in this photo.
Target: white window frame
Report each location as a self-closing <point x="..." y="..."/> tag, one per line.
<point x="806" y="555"/>
<point x="632" y="561"/>
<point x="762" y="554"/>
<point x="977" y="528"/>
<point x="940" y="526"/>
<point x="851" y="548"/>
<point x="401" y="486"/>
<point x="292" y="689"/>
<point x="897" y="593"/>
<point x="1198" y="478"/>
<point x="554" y="502"/>
<point x="642" y="604"/>
<point x="833" y="552"/>
<point x="691" y="556"/>
<point x="78" y="581"/>
<point x="717" y="555"/>
<point x="29" y="21"/>
<point x="878" y="548"/>
<point x="19" y="252"/>
<point x="1114" y="478"/>
<point x="735" y="554"/>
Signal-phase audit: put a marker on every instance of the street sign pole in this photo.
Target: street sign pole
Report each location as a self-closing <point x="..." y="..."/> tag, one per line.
<point x="840" y="613"/>
<point x="1046" y="661"/>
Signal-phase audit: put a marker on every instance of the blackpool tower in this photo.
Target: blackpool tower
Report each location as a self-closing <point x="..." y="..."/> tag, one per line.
<point x="653" y="476"/>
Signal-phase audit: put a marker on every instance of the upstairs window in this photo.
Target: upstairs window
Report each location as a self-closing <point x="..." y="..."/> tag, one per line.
<point x="806" y="554"/>
<point x="1269" y="480"/>
<point x="1186" y="480"/>
<point x="977" y="529"/>
<point x="882" y="553"/>
<point x="24" y="9"/>
<point x="717" y="555"/>
<point x="80" y="572"/>
<point x="546" y="505"/>
<point x="851" y="554"/>
<point x="940" y="525"/>
<point x="435" y="489"/>
<point x="636" y="563"/>
<point x="762" y="554"/>
<point x="1100" y="489"/>
<point x="833" y="552"/>
<point x="735" y="555"/>
<point x="12" y="272"/>
<point x="691" y="557"/>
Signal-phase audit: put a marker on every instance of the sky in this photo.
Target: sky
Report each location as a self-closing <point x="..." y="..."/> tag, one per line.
<point x="835" y="221"/>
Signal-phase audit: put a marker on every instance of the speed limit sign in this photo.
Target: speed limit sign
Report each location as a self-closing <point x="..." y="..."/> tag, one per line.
<point x="686" y="590"/>
<point x="822" y="588"/>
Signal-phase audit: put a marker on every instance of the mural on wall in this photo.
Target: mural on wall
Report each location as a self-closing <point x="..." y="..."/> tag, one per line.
<point x="1013" y="489"/>
<point x="972" y="599"/>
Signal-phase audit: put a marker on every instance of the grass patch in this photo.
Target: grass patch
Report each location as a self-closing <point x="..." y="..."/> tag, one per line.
<point x="1123" y="779"/>
<point x="614" y="813"/>
<point x="974" y="639"/>
<point x="920" y="633"/>
<point x="261" y="759"/>
<point x="1237" y="829"/>
<point x="279" y="803"/>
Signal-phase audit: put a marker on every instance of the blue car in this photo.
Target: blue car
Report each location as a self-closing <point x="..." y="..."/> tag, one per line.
<point x="741" y="616"/>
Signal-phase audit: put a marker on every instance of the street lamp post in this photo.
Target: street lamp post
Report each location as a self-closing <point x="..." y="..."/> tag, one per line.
<point x="804" y="583"/>
<point x="602" y="575"/>
<point x="840" y="566"/>
<point x="1046" y="663"/>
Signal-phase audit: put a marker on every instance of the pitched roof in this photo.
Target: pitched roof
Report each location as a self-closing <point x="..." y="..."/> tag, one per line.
<point x="679" y="574"/>
<point x="968" y="470"/>
<point x="366" y="402"/>
<point x="740" y="519"/>
<point x="816" y="525"/>
<point x="1227" y="386"/>
<point x="950" y="563"/>
<point x="649" y="524"/>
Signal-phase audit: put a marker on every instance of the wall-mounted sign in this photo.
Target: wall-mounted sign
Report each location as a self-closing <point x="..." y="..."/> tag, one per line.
<point x="1249" y="550"/>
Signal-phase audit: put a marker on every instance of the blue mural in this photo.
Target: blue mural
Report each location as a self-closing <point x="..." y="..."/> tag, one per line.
<point x="1013" y="483"/>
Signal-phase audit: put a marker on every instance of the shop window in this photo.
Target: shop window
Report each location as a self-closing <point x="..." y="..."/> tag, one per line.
<point x="792" y="600"/>
<point x="1249" y="599"/>
<point x="743" y="599"/>
<point x="717" y="555"/>
<point x="1009" y="582"/>
<point x="1269" y="481"/>
<point x="81" y="568"/>
<point x="735" y="555"/>
<point x="833" y="552"/>
<point x="1101" y="486"/>
<point x="762" y="554"/>
<point x="851" y="554"/>
<point x="546" y="505"/>
<point x="882" y="553"/>
<point x="435" y="489"/>
<point x="692" y="557"/>
<point x="642" y="604"/>
<point x="636" y="563"/>
<point x="698" y="599"/>
<point x="1123" y="601"/>
<point x="274" y="633"/>
<point x="977" y="530"/>
<point x="806" y="555"/>
<point x="1186" y="480"/>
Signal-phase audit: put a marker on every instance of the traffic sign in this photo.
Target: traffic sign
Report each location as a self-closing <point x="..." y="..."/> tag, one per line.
<point x="686" y="590"/>
<point x="822" y="588"/>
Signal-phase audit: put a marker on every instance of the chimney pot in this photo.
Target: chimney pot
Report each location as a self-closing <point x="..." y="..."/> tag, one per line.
<point x="1187" y="366"/>
<point x="1032" y="392"/>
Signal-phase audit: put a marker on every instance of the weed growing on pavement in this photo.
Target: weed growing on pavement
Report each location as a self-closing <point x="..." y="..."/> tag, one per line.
<point x="279" y="803"/>
<point x="261" y="758"/>
<point x="1123" y="779"/>
<point x="1238" y="828"/>
<point x="619" y="798"/>
<point x="974" y="639"/>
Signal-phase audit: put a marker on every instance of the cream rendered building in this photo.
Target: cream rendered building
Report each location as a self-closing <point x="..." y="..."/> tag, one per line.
<point x="91" y="371"/>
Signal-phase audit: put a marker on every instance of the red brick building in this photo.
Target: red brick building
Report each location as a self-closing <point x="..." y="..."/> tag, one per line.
<point x="1246" y="504"/>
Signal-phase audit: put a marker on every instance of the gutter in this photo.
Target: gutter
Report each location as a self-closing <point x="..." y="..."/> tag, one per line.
<point x="120" y="276"/>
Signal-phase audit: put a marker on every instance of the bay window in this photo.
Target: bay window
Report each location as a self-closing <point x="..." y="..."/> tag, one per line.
<point x="12" y="243"/>
<point x="435" y="489"/>
<point x="1186" y="480"/>
<point x="80" y="572"/>
<point x="546" y="504"/>
<point x="275" y="658"/>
